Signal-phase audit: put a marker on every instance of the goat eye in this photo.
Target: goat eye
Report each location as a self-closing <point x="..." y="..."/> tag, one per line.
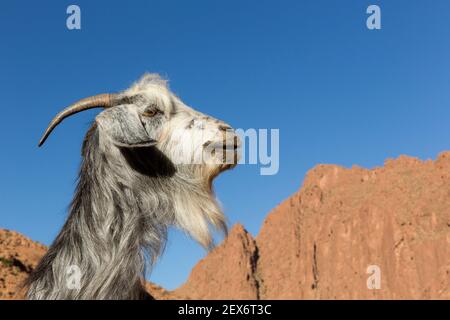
<point x="149" y="113"/>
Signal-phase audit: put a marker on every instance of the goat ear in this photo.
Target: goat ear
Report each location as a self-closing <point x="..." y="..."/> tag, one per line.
<point x="123" y="125"/>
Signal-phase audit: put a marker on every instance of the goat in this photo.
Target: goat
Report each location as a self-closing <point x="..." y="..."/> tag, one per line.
<point x="140" y="174"/>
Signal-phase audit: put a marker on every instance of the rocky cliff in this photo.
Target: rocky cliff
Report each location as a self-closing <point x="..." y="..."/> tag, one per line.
<point x="18" y="256"/>
<point x="326" y="240"/>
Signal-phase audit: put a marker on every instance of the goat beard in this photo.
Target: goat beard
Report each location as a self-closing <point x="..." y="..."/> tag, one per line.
<point x="197" y="209"/>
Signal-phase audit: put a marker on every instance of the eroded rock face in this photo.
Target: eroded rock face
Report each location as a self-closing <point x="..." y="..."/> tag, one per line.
<point x="228" y="272"/>
<point x="325" y="237"/>
<point x="18" y="256"/>
<point x="319" y="243"/>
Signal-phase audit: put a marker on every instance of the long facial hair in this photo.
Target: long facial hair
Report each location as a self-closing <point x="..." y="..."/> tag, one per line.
<point x="124" y="202"/>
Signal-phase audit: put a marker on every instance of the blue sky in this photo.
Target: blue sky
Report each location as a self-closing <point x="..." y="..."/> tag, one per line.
<point x="338" y="92"/>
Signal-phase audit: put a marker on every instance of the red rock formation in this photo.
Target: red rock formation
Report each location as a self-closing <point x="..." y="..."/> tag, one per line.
<point x="319" y="243"/>
<point x="18" y="256"/>
<point x="228" y="272"/>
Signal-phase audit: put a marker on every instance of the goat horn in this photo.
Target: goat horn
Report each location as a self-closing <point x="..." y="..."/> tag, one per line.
<point x="105" y="100"/>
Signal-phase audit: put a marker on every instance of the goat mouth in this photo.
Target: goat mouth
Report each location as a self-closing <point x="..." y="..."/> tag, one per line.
<point x="227" y="166"/>
<point x="229" y="153"/>
<point x="225" y="146"/>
